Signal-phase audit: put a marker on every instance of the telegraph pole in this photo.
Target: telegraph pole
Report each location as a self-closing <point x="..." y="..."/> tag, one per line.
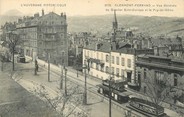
<point x="85" y="84"/>
<point x="65" y="81"/>
<point x="48" y="67"/>
<point x="35" y="70"/>
<point x="110" y="83"/>
<point x="61" y="82"/>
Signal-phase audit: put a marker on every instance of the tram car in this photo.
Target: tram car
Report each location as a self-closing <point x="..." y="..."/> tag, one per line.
<point x="118" y="92"/>
<point x="146" y="107"/>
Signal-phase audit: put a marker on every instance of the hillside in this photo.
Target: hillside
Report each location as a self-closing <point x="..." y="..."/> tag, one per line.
<point x="153" y="26"/>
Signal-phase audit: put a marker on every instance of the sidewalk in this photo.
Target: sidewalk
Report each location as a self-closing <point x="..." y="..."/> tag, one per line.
<point x="15" y="101"/>
<point x="96" y="106"/>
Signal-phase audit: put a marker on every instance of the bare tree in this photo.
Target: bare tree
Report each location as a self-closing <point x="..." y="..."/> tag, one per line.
<point x="157" y="89"/>
<point x="13" y="41"/>
<point x="65" y="105"/>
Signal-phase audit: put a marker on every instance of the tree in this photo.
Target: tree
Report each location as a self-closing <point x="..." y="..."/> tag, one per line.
<point x="13" y="41"/>
<point x="65" y="105"/>
<point x="157" y="88"/>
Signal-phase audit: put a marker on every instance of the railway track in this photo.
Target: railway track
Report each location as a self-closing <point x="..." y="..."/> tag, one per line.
<point x="93" y="90"/>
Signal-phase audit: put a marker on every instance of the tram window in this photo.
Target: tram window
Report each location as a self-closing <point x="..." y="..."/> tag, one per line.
<point x="101" y="90"/>
<point x="116" y="97"/>
<point x="112" y="94"/>
<point x="144" y="89"/>
<point x="175" y="80"/>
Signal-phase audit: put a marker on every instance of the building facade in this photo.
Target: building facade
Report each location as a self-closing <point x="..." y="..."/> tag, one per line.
<point x="120" y="61"/>
<point x="160" y="69"/>
<point x="44" y="35"/>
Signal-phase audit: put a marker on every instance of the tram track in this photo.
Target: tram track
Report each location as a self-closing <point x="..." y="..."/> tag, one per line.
<point x="93" y="89"/>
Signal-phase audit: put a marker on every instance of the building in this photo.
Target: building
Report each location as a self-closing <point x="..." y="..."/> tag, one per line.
<point x="97" y="56"/>
<point x="114" y="57"/>
<point x="160" y="69"/>
<point x="44" y="35"/>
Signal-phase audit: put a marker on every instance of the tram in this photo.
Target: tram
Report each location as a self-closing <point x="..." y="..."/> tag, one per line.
<point x="118" y="93"/>
<point x="146" y="107"/>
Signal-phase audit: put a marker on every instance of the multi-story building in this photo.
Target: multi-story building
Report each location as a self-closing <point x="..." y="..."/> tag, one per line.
<point x="151" y="68"/>
<point x="122" y="65"/>
<point x="114" y="57"/>
<point x="44" y="35"/>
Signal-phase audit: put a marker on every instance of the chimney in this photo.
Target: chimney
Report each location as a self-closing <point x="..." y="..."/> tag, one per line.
<point x="42" y="12"/>
<point x="36" y="15"/>
<point x="65" y="16"/>
<point x="19" y="20"/>
<point x="149" y="43"/>
<point x="156" y="51"/>
<point x="61" y="14"/>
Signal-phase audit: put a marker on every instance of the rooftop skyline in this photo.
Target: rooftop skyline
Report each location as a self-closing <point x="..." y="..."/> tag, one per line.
<point x="92" y="7"/>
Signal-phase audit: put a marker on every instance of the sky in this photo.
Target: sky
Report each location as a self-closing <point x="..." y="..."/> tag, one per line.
<point x="169" y="8"/>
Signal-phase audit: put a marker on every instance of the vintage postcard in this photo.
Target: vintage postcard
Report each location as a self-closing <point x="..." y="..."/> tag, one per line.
<point x="92" y="58"/>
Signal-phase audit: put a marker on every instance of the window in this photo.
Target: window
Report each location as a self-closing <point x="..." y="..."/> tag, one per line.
<point x="97" y="67"/>
<point x="145" y="73"/>
<point x="112" y="59"/>
<point x="122" y="72"/>
<point x="92" y="65"/>
<point x="102" y="68"/>
<point x="175" y="80"/>
<point x="129" y="63"/>
<point x="123" y="61"/>
<point x="107" y="58"/>
<point x="159" y="76"/>
<point x="117" y="72"/>
<point x="139" y="78"/>
<point x="117" y="60"/>
<point x="107" y="69"/>
<point x="112" y="70"/>
<point x="144" y="89"/>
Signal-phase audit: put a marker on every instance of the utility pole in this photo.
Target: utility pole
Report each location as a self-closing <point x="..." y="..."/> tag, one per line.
<point x="48" y="67"/>
<point x="77" y="73"/>
<point x="1" y="57"/>
<point x="65" y="82"/>
<point x="35" y="70"/>
<point x="61" y="82"/>
<point x="1" y="65"/>
<point x="115" y="26"/>
<point x="85" y="84"/>
<point x="110" y="83"/>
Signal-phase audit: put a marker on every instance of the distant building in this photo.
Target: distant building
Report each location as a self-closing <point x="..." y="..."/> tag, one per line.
<point x="45" y="34"/>
<point x="122" y="34"/>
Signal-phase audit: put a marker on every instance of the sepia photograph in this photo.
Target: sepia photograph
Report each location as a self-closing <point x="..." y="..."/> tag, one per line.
<point x="91" y="58"/>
